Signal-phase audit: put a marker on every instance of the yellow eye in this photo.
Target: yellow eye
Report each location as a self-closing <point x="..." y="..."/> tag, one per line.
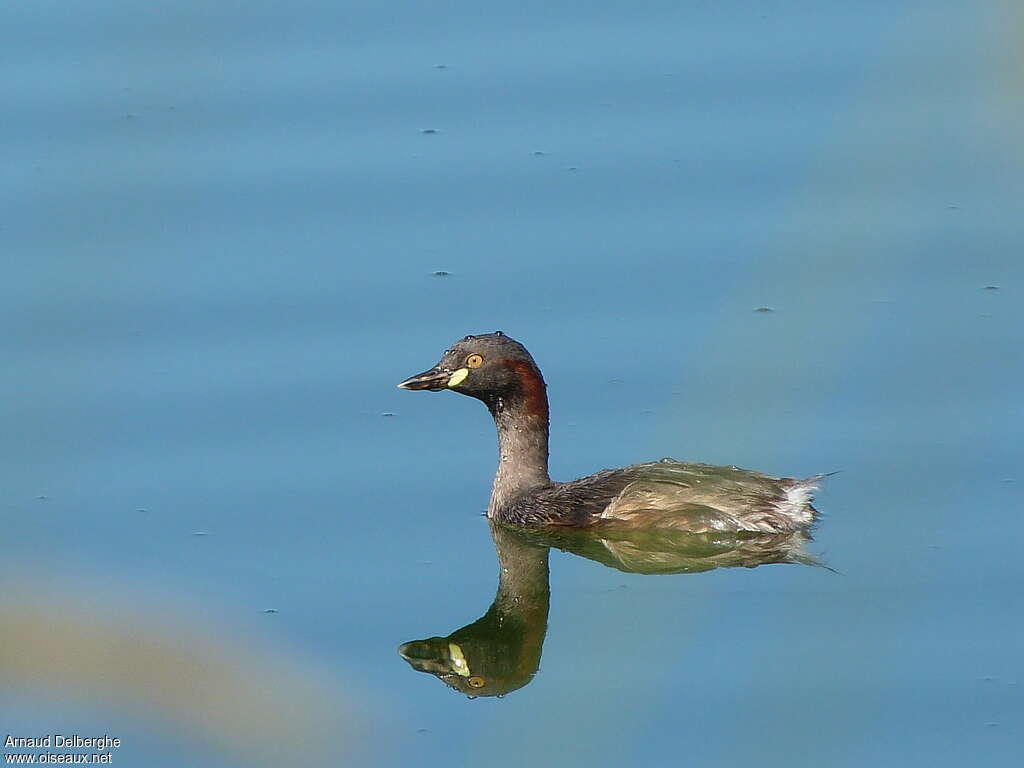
<point x="474" y="361"/>
<point x="476" y="682"/>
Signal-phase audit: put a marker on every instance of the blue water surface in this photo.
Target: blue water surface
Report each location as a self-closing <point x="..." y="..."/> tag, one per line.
<point x="223" y="226"/>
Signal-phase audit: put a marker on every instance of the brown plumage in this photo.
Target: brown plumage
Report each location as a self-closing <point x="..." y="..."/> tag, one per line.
<point x="666" y="494"/>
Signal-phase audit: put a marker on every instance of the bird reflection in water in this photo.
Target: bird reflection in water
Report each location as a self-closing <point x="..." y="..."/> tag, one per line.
<point x="500" y="652"/>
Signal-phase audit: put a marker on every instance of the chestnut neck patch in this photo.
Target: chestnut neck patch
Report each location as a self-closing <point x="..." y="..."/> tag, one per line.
<point x="534" y="394"/>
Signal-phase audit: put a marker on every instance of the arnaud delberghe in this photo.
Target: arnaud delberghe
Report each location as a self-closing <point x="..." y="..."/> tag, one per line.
<point x="99" y="743"/>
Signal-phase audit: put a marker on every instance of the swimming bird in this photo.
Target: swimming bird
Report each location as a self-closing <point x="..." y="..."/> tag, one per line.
<point x="670" y="494"/>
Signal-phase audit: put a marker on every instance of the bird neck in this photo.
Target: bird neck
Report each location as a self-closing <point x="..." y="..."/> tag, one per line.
<point x="521" y="419"/>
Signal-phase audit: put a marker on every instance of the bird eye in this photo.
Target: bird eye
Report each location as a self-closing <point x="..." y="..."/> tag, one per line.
<point x="476" y="682"/>
<point x="474" y="361"/>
